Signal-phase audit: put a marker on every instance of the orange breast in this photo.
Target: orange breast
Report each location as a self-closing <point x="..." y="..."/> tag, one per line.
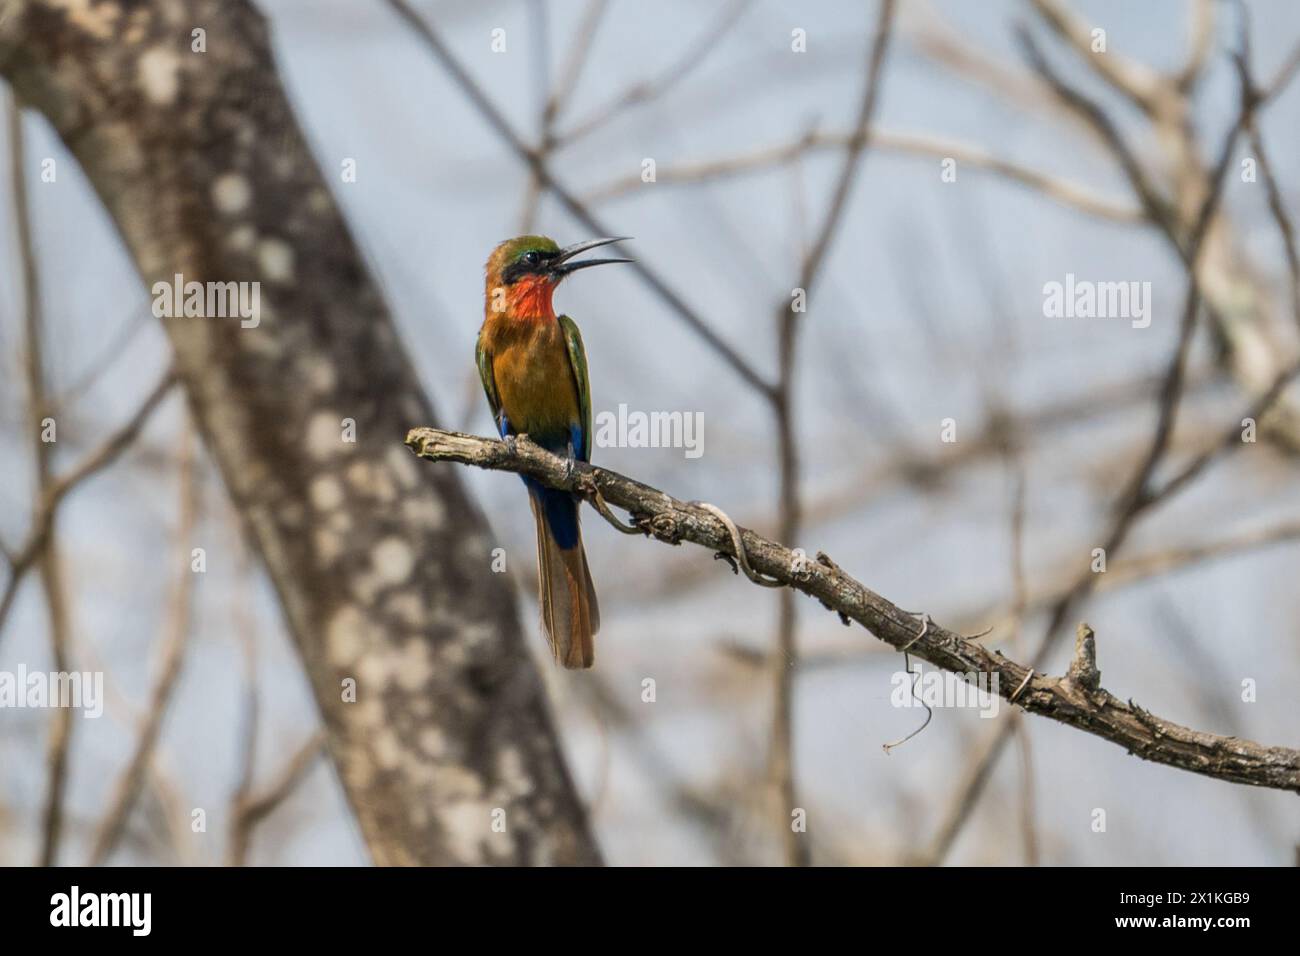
<point x="534" y="380"/>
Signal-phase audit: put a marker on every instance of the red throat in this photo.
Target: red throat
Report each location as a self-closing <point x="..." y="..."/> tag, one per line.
<point x="530" y="298"/>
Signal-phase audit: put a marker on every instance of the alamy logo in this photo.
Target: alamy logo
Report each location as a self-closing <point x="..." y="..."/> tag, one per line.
<point x="208" y="300"/>
<point x="83" y="690"/>
<point x="1085" y="299"/>
<point x="651" y="430"/>
<point x="103" y="909"/>
<point x="936" y="688"/>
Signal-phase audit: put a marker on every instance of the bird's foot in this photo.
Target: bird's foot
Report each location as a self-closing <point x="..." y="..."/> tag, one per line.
<point x="511" y="444"/>
<point x="570" y="463"/>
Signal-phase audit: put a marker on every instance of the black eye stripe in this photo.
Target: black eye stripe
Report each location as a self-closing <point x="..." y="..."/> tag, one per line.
<point x="529" y="263"/>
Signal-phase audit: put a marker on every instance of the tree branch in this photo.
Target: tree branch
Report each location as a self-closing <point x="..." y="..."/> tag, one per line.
<point x="104" y="454"/>
<point x="1063" y="191"/>
<point x="1098" y="712"/>
<point x="47" y="556"/>
<point x="252" y="808"/>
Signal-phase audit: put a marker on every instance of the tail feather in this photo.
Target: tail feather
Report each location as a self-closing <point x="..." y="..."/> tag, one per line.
<point x="568" y="598"/>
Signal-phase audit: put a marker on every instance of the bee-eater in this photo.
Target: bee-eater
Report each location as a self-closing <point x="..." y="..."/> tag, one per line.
<point x="534" y="371"/>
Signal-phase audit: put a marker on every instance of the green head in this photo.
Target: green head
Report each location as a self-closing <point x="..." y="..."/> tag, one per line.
<point x="533" y="257"/>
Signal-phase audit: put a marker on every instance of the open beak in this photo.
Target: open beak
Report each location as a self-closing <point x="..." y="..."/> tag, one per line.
<point x="561" y="266"/>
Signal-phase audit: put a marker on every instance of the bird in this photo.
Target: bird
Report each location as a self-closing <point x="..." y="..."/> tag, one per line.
<point x="534" y="371"/>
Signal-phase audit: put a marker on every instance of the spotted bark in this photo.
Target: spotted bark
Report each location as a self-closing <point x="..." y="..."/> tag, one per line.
<point x="449" y="753"/>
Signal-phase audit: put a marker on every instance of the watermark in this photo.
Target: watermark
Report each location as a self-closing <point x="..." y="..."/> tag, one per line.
<point x="1085" y="299"/>
<point x="938" y="688"/>
<point x="83" y="690"/>
<point x="208" y="300"/>
<point x="628" y="429"/>
<point x="74" y="908"/>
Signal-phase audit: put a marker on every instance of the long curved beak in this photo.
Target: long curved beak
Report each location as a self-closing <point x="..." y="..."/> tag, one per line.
<point x="561" y="266"/>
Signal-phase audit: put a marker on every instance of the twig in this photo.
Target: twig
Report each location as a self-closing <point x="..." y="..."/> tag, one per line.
<point x="1142" y="85"/>
<point x="1276" y="204"/>
<point x="913" y="144"/>
<point x="1028" y="824"/>
<point x="673" y="521"/>
<point x="1231" y="437"/>
<point x="577" y="59"/>
<point x="1019" y="603"/>
<point x="1128" y="572"/>
<point x="1201" y="45"/>
<point x="46" y="556"/>
<point x="971" y="787"/>
<point x="22" y="558"/>
<point x="1285" y="74"/>
<point x="254" y="808"/>
<point x="160" y="785"/>
<point x="1156" y="206"/>
<point x="237" y="847"/>
<point x="172" y="655"/>
<point x="709" y="39"/>
<point x="1146" y="566"/>
<point x="133" y="323"/>
<point x="558" y="97"/>
<point x="714" y="817"/>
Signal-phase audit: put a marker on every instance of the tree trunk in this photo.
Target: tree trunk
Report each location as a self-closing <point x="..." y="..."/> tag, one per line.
<point x="382" y="565"/>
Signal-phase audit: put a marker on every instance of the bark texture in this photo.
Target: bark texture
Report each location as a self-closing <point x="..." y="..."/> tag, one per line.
<point x="382" y="567"/>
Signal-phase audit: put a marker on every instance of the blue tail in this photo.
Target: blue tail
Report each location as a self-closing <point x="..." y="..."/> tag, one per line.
<point x="567" y="597"/>
<point x="560" y="511"/>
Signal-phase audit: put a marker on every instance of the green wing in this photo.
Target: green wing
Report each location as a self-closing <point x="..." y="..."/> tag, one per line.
<point x="489" y="380"/>
<point x="578" y="362"/>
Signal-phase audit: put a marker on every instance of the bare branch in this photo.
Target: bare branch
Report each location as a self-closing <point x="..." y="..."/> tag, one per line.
<point x="974" y="778"/>
<point x="252" y="808"/>
<point x="1231" y="437"/>
<point x="237" y="848"/>
<point x="647" y="91"/>
<point x="176" y="636"/>
<point x="914" y="144"/>
<point x="1201" y="45"/>
<point x="1285" y="74"/>
<point x="558" y="98"/>
<point x="1158" y="208"/>
<point x="577" y="58"/>
<point x="936" y="39"/>
<point x="1135" y="80"/>
<point x="46" y="556"/>
<point x="21" y="560"/>
<point x="1276" y="204"/>
<point x="1019" y="601"/>
<point x="1146" y="566"/>
<point x="672" y="521"/>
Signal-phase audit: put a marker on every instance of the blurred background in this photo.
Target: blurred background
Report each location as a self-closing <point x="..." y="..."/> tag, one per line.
<point x="928" y="305"/>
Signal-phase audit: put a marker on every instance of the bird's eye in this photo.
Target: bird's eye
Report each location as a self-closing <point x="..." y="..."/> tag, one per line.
<point x="532" y="258"/>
